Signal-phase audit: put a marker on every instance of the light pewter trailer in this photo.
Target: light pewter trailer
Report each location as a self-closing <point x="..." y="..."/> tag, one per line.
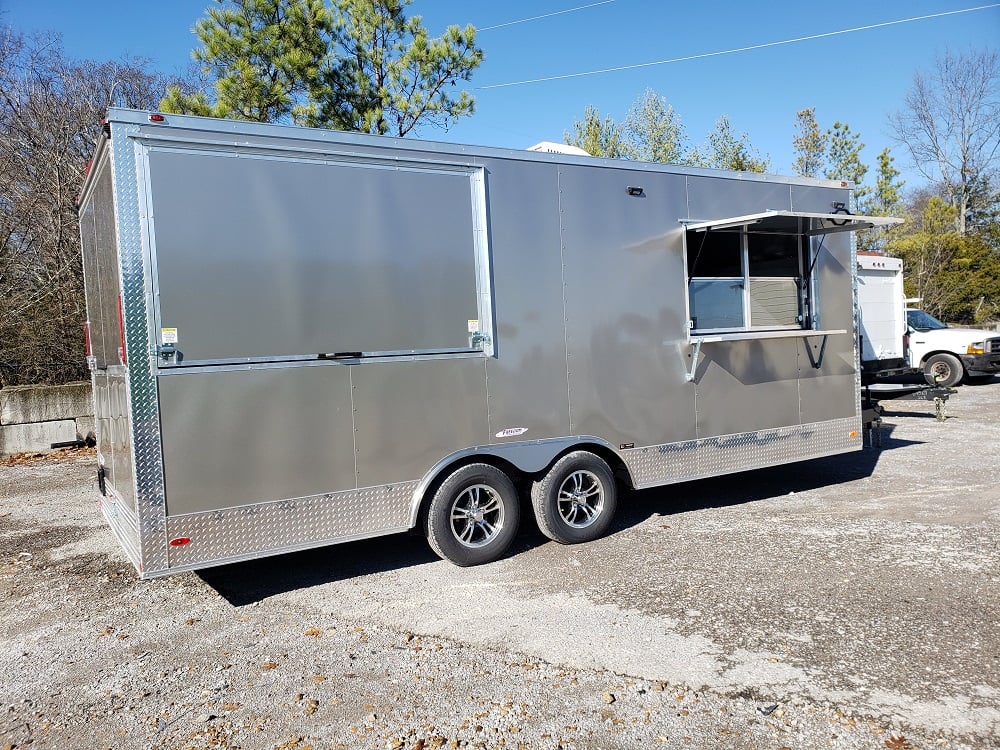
<point x="302" y="337"/>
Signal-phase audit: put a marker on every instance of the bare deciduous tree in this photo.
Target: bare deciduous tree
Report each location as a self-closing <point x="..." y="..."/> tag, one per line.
<point x="50" y="117"/>
<point x="951" y="126"/>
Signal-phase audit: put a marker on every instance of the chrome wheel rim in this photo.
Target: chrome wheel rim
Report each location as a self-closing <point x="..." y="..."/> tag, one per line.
<point x="477" y="516"/>
<point x="581" y="499"/>
<point x="941" y="371"/>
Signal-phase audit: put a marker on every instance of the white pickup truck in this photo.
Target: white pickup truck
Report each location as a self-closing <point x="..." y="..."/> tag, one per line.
<point x="895" y="340"/>
<point x="949" y="355"/>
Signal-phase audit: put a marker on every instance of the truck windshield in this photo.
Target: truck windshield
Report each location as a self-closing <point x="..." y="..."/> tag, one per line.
<point x="921" y="321"/>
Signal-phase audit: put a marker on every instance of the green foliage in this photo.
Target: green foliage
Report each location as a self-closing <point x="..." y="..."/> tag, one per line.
<point x="983" y="209"/>
<point x="885" y="200"/>
<point x="728" y="150"/>
<point x="181" y="103"/>
<point x="844" y="156"/>
<point x="359" y="65"/>
<point x="957" y="276"/>
<point x="390" y="74"/>
<point x="261" y="54"/>
<point x="809" y="143"/>
<point x="654" y="131"/>
<point x="599" y="137"/>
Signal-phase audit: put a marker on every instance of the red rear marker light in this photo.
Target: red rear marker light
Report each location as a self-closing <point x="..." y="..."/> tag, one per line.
<point x="180" y="541"/>
<point x="157" y="118"/>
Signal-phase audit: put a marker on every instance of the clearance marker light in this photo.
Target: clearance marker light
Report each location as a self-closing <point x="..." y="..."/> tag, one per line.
<point x="157" y="118"/>
<point x="180" y="541"/>
<point x="122" y="356"/>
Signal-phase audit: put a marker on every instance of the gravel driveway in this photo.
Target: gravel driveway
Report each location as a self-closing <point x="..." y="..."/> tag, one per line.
<point x="849" y="602"/>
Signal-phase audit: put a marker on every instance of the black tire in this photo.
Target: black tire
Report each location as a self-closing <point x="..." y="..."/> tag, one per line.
<point x="943" y="369"/>
<point x="473" y="517"/>
<point x="576" y="501"/>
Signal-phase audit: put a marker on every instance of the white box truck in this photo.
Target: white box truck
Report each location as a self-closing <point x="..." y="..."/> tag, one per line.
<point x="896" y="340"/>
<point x="881" y="316"/>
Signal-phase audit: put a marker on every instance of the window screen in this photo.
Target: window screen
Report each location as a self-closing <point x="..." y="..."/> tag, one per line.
<point x="741" y="279"/>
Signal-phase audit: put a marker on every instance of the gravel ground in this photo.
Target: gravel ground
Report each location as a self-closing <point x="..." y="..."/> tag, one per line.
<point x="850" y="602"/>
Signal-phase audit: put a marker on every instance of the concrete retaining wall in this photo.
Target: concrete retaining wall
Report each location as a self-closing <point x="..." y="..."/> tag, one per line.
<point x="32" y="417"/>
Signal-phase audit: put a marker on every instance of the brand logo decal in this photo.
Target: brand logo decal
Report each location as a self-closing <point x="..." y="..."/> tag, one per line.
<point x="512" y="432"/>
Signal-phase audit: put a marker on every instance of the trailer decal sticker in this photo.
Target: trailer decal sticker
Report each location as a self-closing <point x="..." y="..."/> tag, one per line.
<point x="168" y="335"/>
<point x="512" y="432"/>
<point x="473" y="326"/>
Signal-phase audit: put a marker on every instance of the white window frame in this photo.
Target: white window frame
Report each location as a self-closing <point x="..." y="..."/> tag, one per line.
<point x="814" y="224"/>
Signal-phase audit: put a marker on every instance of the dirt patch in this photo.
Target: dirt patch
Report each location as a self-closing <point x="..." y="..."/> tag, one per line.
<point x="848" y="603"/>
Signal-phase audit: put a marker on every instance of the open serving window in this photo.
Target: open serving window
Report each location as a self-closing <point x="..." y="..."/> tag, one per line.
<point x="752" y="274"/>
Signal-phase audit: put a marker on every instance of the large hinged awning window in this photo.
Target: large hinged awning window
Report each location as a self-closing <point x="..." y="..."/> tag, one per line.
<point x="796" y="222"/>
<point x="755" y="272"/>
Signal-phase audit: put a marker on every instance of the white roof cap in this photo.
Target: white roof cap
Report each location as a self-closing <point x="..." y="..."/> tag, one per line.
<point x="558" y="148"/>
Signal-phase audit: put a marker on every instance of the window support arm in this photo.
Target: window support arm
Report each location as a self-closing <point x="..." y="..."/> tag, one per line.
<point x="817" y="361"/>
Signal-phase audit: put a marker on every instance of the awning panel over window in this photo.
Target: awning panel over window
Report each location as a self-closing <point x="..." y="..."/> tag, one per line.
<point x="793" y="222"/>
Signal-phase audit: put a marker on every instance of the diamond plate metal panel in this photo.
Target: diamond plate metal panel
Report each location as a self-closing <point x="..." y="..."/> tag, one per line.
<point x="697" y="459"/>
<point x="145" y="454"/>
<point x="661" y="464"/>
<point x="268" y="528"/>
<point x="124" y="524"/>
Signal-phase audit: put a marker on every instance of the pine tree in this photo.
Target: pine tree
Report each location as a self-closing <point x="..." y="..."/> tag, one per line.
<point x="844" y="157"/>
<point x="654" y="130"/>
<point x="809" y="143"/>
<point x="599" y="137"/>
<point x="359" y="65"/>
<point x="728" y="150"/>
<point x="885" y="200"/>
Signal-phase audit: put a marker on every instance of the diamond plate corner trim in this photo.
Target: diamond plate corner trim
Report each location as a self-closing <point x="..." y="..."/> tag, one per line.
<point x="855" y="311"/>
<point x="124" y="525"/>
<point x="136" y="288"/>
<point x="697" y="459"/>
<point x="263" y="529"/>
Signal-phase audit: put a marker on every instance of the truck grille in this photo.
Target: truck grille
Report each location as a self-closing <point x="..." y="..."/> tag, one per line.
<point x="993" y="346"/>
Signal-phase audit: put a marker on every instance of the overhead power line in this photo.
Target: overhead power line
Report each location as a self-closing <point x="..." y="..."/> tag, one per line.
<point x="545" y="15"/>
<point x="736" y="49"/>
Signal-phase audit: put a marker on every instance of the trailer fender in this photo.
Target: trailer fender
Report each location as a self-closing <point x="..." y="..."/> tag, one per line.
<point x="529" y="457"/>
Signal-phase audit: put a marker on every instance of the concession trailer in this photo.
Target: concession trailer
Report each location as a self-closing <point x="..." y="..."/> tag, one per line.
<point x="301" y="337"/>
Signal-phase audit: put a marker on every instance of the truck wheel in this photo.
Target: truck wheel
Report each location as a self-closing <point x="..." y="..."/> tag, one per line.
<point x="473" y="516"/>
<point x="943" y="369"/>
<point x="576" y="501"/>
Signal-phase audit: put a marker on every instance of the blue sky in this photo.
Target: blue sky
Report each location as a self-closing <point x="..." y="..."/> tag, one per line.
<point x="858" y="77"/>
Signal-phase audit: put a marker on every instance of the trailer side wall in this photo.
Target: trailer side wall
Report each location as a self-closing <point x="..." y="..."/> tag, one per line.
<point x="317" y="323"/>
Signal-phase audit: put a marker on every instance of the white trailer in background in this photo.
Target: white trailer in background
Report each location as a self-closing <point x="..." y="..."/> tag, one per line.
<point x="882" y="316"/>
<point x="895" y="340"/>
